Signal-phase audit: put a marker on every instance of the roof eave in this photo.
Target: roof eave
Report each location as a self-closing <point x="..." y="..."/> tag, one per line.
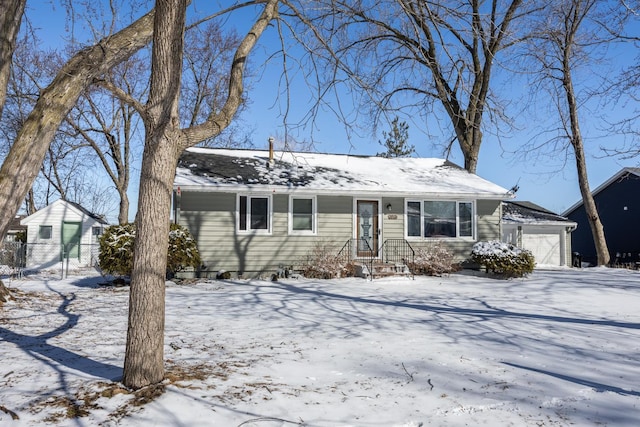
<point x="541" y="222"/>
<point x="231" y="188"/>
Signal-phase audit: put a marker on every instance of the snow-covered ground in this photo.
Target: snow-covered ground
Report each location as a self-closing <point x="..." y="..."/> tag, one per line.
<point x="558" y="348"/>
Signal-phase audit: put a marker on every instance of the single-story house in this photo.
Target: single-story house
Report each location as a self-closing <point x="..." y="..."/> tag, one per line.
<point x="546" y="234"/>
<point x="62" y="231"/>
<point x="253" y="212"/>
<point x="618" y="206"/>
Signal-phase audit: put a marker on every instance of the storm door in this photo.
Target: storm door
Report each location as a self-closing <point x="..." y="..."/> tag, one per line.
<point x="367" y="228"/>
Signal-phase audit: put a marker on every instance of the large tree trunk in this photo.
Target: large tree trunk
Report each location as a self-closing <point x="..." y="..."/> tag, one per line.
<point x="164" y="142"/>
<point x="597" y="230"/>
<point x="470" y="147"/>
<point x="144" y="356"/>
<point x="27" y="153"/>
<point x="10" y="18"/>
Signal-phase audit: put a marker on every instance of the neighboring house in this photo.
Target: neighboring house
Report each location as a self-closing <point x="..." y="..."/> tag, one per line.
<point x="15" y="227"/>
<point x="618" y="206"/>
<point x="252" y="212"/>
<point x="546" y="234"/>
<point x="62" y="231"/>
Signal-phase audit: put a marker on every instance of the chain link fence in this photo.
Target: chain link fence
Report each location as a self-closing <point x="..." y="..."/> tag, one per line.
<point x="17" y="258"/>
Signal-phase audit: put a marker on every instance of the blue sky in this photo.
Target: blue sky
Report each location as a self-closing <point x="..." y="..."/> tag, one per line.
<point x="540" y="182"/>
<point x="547" y="181"/>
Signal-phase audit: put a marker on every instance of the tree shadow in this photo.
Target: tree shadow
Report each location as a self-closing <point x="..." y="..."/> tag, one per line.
<point x="56" y="357"/>
<point x="488" y="312"/>
<point x="599" y="387"/>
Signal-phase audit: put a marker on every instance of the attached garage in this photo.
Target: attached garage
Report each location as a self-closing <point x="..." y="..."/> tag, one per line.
<point x="544" y="233"/>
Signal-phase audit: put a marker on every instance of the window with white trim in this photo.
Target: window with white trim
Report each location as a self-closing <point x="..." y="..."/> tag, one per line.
<point x="254" y="214"/>
<point x="302" y="215"/>
<point x="439" y="219"/>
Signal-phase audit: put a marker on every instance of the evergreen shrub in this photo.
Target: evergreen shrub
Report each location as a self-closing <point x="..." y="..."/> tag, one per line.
<point x="503" y="259"/>
<point x="116" y="249"/>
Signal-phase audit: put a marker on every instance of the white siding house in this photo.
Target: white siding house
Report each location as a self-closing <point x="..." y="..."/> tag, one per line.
<point x="62" y="232"/>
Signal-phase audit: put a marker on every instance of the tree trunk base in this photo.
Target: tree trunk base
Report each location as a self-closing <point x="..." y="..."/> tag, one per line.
<point x="5" y="293"/>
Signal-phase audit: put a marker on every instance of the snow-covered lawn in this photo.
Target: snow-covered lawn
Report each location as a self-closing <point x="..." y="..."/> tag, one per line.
<point x="558" y="348"/>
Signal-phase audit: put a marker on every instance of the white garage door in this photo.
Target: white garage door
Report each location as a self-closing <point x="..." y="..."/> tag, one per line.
<point x="545" y="247"/>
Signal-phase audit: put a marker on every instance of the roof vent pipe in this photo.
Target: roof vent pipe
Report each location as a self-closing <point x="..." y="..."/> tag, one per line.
<point x="270" y="151"/>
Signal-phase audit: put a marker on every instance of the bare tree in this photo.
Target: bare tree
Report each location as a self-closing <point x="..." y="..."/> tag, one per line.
<point x="442" y="54"/>
<point x="205" y="81"/>
<point x="108" y="126"/>
<point x="625" y="88"/>
<point x="563" y="44"/>
<point x="164" y="142"/>
<point x="30" y="146"/>
<point x="11" y="12"/>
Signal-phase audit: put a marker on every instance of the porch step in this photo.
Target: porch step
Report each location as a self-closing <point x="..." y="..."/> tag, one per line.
<point x="382" y="269"/>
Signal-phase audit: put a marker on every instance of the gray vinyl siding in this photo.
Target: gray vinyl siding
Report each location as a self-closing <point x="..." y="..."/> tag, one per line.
<point x="392" y="219"/>
<point x="211" y="218"/>
<point x="489" y="214"/>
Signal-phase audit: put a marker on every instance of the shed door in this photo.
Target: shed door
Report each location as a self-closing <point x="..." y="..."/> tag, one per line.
<point x="545" y="247"/>
<point x="71" y="233"/>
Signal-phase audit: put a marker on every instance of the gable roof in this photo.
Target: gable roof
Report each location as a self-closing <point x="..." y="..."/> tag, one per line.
<point x="209" y="169"/>
<point x="523" y="212"/>
<point x="622" y="173"/>
<point x="79" y="210"/>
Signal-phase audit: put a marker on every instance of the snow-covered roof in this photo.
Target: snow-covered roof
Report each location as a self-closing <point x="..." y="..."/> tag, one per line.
<point x="64" y="204"/>
<point x="208" y="169"/>
<point x="521" y="212"/>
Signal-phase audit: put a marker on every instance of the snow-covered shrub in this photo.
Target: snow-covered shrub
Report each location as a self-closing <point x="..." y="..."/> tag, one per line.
<point x="322" y="263"/>
<point x="503" y="259"/>
<point x="116" y="249"/>
<point x="433" y="260"/>
<point x="183" y="250"/>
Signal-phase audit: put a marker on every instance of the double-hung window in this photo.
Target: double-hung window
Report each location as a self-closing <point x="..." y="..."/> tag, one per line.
<point x="302" y="215"/>
<point x="254" y="213"/>
<point x="439" y="218"/>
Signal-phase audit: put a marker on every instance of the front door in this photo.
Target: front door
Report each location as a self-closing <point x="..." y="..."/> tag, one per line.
<point x="367" y="227"/>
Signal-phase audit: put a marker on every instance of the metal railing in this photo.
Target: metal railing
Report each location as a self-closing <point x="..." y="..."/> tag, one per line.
<point x="357" y="249"/>
<point x="392" y="251"/>
<point x="397" y="251"/>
